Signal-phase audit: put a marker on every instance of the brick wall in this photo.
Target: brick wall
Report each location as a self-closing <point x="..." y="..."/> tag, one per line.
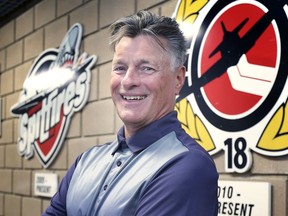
<point x="44" y="26"/>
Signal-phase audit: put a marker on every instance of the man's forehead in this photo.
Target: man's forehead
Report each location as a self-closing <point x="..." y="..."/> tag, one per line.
<point x="152" y="40"/>
<point x="137" y="61"/>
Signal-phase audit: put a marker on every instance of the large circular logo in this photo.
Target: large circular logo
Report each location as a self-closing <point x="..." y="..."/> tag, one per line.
<point x="236" y="63"/>
<point x="235" y="95"/>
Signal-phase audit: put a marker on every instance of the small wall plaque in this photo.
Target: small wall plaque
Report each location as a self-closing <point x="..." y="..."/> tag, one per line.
<point x="244" y="198"/>
<point x="45" y="184"/>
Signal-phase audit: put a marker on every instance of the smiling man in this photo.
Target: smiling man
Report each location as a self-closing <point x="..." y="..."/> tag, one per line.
<point x="144" y="81"/>
<point x="153" y="168"/>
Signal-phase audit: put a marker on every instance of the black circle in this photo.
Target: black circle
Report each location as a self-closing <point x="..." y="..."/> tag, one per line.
<point x="277" y="11"/>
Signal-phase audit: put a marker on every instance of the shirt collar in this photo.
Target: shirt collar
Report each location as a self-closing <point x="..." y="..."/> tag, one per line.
<point x="150" y="133"/>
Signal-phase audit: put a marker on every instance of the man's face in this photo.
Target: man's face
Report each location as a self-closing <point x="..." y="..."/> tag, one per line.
<point x="143" y="85"/>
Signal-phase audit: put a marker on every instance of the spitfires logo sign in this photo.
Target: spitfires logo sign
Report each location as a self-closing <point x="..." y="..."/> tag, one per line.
<point x="56" y="86"/>
<point x="236" y="90"/>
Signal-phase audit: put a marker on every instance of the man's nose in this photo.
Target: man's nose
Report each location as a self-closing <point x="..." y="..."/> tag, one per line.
<point x="131" y="78"/>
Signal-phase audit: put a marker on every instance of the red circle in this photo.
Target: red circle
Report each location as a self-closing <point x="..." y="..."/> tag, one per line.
<point x="219" y="92"/>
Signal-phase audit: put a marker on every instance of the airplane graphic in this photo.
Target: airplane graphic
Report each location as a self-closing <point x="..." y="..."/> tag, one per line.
<point x="232" y="48"/>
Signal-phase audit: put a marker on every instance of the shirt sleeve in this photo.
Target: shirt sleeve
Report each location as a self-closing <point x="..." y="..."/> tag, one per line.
<point x="57" y="205"/>
<point x="187" y="185"/>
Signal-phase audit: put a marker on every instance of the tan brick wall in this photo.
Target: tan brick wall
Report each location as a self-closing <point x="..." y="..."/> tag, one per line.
<point x="45" y="12"/>
<point x="44" y="26"/>
<point x="7" y="33"/>
<point x="12" y="205"/>
<point x="24" y="24"/>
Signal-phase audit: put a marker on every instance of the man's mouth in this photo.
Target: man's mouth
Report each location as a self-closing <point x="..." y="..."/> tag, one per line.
<point x="131" y="98"/>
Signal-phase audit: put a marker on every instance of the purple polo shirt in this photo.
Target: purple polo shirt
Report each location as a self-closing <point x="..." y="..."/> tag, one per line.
<point x="159" y="171"/>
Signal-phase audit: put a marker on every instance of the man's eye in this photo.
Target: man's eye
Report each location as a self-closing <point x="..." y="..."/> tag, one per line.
<point x="119" y="69"/>
<point x="147" y="69"/>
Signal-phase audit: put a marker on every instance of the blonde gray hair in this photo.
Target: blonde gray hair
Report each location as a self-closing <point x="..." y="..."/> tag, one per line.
<point x="159" y="27"/>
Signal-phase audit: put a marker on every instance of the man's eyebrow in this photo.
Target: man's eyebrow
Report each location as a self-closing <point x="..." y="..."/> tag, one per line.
<point x="117" y="61"/>
<point x="144" y="61"/>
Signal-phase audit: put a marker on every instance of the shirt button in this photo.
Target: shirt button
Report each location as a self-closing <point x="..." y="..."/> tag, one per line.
<point x="119" y="163"/>
<point x="105" y="187"/>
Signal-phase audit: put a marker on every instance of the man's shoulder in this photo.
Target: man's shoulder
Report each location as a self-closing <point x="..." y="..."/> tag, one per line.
<point x="196" y="157"/>
<point x="101" y="147"/>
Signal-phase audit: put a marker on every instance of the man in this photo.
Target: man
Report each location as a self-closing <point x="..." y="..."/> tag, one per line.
<point x="153" y="168"/>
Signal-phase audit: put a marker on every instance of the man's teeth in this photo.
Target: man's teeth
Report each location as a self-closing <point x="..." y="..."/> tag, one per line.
<point x="134" y="97"/>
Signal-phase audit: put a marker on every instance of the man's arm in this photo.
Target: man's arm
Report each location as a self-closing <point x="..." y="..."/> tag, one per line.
<point x="57" y="205"/>
<point x="187" y="185"/>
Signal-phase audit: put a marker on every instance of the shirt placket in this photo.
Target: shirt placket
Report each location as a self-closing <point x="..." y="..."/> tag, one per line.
<point x="119" y="159"/>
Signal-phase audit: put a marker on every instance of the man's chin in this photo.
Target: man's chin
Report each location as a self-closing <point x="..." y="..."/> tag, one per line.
<point x="130" y="119"/>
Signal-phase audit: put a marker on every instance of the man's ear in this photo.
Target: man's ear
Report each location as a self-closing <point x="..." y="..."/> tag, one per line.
<point x="180" y="79"/>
